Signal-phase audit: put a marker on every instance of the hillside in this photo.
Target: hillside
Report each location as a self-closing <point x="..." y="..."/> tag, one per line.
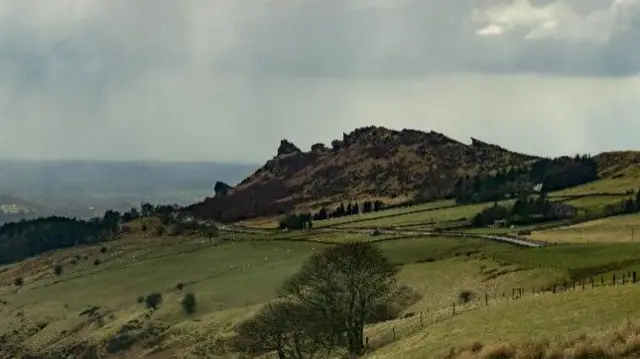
<point x="90" y="300"/>
<point x="368" y="162"/>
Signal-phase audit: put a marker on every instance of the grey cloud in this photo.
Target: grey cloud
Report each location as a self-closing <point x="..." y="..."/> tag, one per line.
<point x="227" y="79"/>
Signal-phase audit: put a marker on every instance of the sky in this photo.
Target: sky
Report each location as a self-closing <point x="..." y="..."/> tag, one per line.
<point x="226" y="80"/>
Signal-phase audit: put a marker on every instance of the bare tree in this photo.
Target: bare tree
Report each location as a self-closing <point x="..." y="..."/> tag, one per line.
<point x="343" y="286"/>
<point x="284" y="327"/>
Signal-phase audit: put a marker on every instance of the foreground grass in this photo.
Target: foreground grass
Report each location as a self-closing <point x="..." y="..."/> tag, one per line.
<point x="545" y="316"/>
<point x="622" y="342"/>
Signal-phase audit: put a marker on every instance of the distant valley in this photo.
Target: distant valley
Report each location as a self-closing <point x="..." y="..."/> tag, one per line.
<point x="86" y="189"/>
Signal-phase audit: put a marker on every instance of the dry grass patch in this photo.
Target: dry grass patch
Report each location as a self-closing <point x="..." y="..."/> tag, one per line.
<point x="619" y="343"/>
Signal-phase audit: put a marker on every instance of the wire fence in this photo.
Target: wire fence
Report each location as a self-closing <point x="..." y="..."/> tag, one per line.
<point x="391" y="331"/>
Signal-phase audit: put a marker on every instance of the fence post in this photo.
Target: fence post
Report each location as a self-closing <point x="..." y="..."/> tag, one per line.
<point x="582" y="283"/>
<point x="613" y="280"/>
<point x="486" y="299"/>
<point x="574" y="285"/>
<point x="624" y="278"/>
<point x="421" y="321"/>
<point x="554" y="289"/>
<point x="454" y="308"/>
<point x="602" y="279"/>
<point x="394" y="334"/>
<point x="634" y="277"/>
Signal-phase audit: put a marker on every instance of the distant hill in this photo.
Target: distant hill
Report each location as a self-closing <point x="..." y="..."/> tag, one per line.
<point x="368" y="162"/>
<point x="87" y="188"/>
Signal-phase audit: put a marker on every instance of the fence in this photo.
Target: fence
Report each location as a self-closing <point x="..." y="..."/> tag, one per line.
<point x="388" y="332"/>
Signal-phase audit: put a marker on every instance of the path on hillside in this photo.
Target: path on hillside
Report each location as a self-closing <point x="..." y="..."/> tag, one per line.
<point x="518" y="241"/>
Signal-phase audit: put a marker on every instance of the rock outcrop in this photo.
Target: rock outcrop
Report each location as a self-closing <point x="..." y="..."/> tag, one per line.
<point x="222" y="189"/>
<point x="369" y="161"/>
<point x="287" y="148"/>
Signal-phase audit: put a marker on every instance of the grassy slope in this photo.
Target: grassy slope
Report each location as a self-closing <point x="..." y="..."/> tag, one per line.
<point x="438" y="268"/>
<point x="543" y="316"/>
<point x="607" y="230"/>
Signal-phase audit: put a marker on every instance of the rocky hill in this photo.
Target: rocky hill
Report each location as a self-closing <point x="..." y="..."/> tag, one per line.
<point x="368" y="162"/>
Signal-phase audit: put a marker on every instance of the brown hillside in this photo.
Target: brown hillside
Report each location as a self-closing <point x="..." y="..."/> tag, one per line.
<point x="370" y="161"/>
<point x="612" y="163"/>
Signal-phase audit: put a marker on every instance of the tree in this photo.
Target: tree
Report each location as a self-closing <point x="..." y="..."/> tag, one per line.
<point x="366" y="207"/>
<point x="629" y="206"/>
<point x="344" y="284"/>
<point x="131" y="215"/>
<point x="146" y="209"/>
<point x="355" y="209"/>
<point x="111" y="222"/>
<point x="284" y="327"/>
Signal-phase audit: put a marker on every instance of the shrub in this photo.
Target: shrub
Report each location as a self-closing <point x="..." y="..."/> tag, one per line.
<point x="189" y="303"/>
<point x="57" y="269"/>
<point x="125" y="229"/>
<point x="526" y="232"/>
<point x="140" y="299"/>
<point x="96" y="262"/>
<point x="180" y="286"/>
<point x="160" y="231"/>
<point x="144" y="228"/>
<point x="18" y="282"/>
<point x="153" y="300"/>
<point x="103" y="250"/>
<point x="466" y="296"/>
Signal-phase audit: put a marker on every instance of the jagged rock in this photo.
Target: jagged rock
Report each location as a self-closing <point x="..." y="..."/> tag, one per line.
<point x="319" y="148"/>
<point x="369" y="161"/>
<point x="222" y="189"/>
<point x="287" y="147"/>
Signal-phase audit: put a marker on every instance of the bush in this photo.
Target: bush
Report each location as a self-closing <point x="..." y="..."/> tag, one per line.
<point x="466" y="296"/>
<point x="144" y="228"/>
<point x="159" y="231"/>
<point x="96" y="262"/>
<point x="57" y="269"/>
<point x="125" y="229"/>
<point x="189" y="303"/>
<point x="526" y="232"/>
<point x="103" y="250"/>
<point x="153" y="300"/>
<point x="176" y="230"/>
<point x="18" y="282"/>
<point x="180" y="286"/>
<point x="74" y="262"/>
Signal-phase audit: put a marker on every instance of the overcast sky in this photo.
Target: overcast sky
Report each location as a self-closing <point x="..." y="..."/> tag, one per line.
<point x="225" y="80"/>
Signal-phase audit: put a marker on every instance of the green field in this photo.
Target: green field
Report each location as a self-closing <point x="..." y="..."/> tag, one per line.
<point x="234" y="275"/>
